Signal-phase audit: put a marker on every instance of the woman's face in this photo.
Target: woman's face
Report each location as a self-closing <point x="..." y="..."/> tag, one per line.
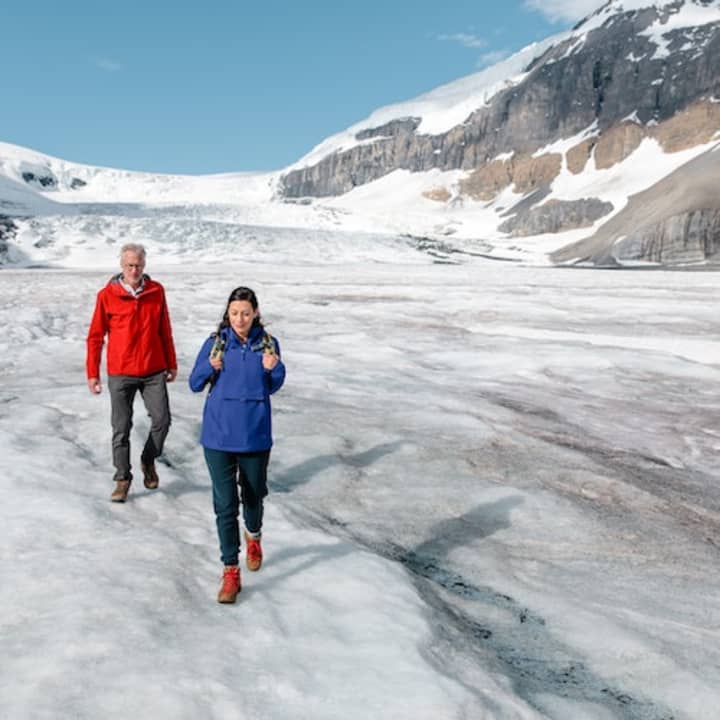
<point x="241" y="315"/>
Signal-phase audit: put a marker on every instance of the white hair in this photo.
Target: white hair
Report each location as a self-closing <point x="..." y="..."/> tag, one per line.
<point x="133" y="248"/>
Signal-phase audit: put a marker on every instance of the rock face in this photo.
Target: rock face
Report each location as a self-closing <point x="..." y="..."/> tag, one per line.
<point x="687" y="238"/>
<point x="7" y="231"/>
<point x="556" y="216"/>
<point x="43" y="178"/>
<point x="45" y="181"/>
<point x="613" y="73"/>
<point x="694" y="125"/>
<point x="524" y="172"/>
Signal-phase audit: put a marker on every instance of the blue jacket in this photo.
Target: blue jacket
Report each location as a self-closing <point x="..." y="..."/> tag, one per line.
<point x="236" y="417"/>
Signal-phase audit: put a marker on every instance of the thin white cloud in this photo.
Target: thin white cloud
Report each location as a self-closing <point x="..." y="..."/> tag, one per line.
<point x="107" y="65"/>
<point x="564" y="10"/>
<point x="466" y="39"/>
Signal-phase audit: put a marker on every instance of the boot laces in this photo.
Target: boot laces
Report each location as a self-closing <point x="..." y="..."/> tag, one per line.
<point x="254" y="550"/>
<point x="231" y="579"/>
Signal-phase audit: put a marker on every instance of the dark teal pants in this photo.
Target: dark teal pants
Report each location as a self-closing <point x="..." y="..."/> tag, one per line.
<point x="228" y="472"/>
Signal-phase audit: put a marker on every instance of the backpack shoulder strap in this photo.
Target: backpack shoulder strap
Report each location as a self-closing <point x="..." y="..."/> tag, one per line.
<point x="268" y="344"/>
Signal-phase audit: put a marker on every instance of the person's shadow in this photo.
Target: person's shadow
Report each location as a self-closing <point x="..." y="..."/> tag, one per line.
<point x="480" y="522"/>
<point x="297" y="475"/>
<point x="433" y="568"/>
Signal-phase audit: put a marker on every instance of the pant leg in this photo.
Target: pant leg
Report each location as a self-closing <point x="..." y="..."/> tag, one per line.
<point x="155" y="396"/>
<point x="226" y="502"/>
<point x="122" y="394"/>
<point x="253" y="486"/>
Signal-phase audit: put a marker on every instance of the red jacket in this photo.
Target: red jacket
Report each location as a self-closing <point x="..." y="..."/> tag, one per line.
<point x="140" y="338"/>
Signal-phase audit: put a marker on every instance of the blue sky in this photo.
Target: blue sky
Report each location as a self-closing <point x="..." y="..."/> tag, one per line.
<point x="224" y="86"/>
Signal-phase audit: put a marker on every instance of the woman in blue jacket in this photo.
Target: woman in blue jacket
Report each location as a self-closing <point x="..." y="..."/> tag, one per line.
<point x="242" y="365"/>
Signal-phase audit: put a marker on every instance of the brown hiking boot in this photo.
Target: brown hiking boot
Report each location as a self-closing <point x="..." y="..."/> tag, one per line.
<point x="120" y="493"/>
<point x="150" y="476"/>
<point x="253" y="552"/>
<point x="231" y="584"/>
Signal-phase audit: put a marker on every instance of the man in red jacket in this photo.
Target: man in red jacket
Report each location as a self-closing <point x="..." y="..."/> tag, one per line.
<point x="132" y="311"/>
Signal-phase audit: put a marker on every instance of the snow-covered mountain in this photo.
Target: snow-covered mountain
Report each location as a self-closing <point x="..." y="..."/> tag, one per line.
<point x="598" y="145"/>
<point x="560" y="136"/>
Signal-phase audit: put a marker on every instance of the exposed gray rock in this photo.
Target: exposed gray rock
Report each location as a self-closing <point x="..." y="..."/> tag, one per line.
<point x="45" y="181"/>
<point x="688" y="238"/>
<point x="394" y="127"/>
<point x="556" y="216"/>
<point x="523" y="205"/>
<point x="76" y="183"/>
<point x="612" y="75"/>
<point x="7" y="232"/>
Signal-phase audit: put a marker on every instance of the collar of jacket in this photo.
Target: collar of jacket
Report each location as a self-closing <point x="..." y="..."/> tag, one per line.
<point x="116" y="286"/>
<point x="254" y="336"/>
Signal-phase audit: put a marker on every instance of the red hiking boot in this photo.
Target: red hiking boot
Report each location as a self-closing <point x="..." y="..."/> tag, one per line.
<point x="253" y="552"/>
<point x="230" y="584"/>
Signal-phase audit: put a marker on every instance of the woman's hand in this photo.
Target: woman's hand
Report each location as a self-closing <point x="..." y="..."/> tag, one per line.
<point x="269" y="361"/>
<point x="216" y="362"/>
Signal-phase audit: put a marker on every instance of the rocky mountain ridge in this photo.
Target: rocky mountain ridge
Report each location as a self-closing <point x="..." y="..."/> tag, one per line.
<point x="619" y="78"/>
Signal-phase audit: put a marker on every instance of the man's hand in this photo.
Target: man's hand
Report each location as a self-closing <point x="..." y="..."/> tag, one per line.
<point x="171" y="374"/>
<point x="94" y="386"/>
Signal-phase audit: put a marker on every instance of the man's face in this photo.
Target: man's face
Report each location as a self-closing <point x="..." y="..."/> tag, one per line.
<point x="132" y="265"/>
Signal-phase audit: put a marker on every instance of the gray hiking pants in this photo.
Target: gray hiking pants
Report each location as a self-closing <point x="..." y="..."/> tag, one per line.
<point x="153" y="389"/>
